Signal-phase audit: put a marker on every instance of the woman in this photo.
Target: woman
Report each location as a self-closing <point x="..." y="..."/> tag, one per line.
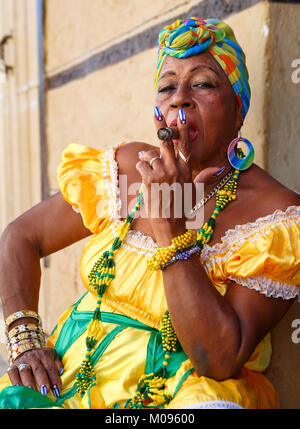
<point x="219" y="288"/>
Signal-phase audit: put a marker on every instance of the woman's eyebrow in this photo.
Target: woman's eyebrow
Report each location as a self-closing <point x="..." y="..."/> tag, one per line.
<point x="199" y="66"/>
<point x="203" y="66"/>
<point x="167" y="73"/>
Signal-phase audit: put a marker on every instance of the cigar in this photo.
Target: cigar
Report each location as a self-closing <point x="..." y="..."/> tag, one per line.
<point x="168" y="133"/>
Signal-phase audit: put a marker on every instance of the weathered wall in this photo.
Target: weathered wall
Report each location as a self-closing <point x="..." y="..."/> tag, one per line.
<point x="19" y="112"/>
<point x="20" y="167"/>
<point x="99" y="63"/>
<point x="283" y="158"/>
<point x="283" y="95"/>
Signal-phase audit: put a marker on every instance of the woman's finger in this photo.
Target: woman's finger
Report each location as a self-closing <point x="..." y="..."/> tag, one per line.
<point x="183" y="142"/>
<point x="26" y="375"/>
<point x="14" y="376"/>
<point x="41" y="377"/>
<point x="159" y="117"/>
<point x="51" y="367"/>
<point x="207" y="173"/>
<point x="166" y="147"/>
<point x="59" y="365"/>
<point x="153" y="157"/>
<point x="145" y="171"/>
<point x="53" y="354"/>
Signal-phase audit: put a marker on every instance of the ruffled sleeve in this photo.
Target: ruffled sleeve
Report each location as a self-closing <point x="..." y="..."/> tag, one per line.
<point x="263" y="255"/>
<point x="84" y="180"/>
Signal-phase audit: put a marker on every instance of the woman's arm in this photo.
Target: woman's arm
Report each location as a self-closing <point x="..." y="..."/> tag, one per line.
<point x="218" y="333"/>
<point x="44" y="229"/>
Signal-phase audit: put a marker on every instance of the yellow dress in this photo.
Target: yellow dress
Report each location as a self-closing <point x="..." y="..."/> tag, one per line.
<point x="263" y="255"/>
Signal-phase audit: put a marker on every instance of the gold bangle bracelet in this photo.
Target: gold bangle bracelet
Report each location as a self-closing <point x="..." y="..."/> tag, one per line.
<point x="23" y="328"/>
<point x="20" y="315"/>
<point x="16" y="352"/>
<point x="26" y="336"/>
<point x="15" y="346"/>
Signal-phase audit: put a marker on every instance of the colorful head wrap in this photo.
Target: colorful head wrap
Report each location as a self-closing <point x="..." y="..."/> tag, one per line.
<point x="190" y="37"/>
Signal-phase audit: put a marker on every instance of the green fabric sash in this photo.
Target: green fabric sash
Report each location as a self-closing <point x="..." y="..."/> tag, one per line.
<point x="22" y="397"/>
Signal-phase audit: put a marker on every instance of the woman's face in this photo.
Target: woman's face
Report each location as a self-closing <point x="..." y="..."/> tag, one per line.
<point x="199" y="86"/>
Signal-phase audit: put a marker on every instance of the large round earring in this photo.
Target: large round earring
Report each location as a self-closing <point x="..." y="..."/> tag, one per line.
<point x="237" y="159"/>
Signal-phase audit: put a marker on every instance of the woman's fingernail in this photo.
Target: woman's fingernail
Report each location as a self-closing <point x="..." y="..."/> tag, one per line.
<point x="55" y="390"/>
<point x="60" y="371"/>
<point x="158" y="114"/>
<point x="141" y="153"/>
<point x="44" y="390"/>
<point x="220" y="171"/>
<point x="182" y="117"/>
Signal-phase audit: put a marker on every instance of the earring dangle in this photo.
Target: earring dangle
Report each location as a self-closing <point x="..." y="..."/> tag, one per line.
<point x="237" y="159"/>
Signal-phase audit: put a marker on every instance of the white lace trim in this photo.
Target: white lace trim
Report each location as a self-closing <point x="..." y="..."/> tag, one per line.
<point x="112" y="183"/>
<point x="135" y="241"/>
<point x="268" y="287"/>
<point x="234" y="236"/>
<point x="213" y="405"/>
<point x="252" y="230"/>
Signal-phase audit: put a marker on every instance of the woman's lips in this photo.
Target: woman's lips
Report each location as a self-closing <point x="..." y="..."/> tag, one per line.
<point x="193" y="130"/>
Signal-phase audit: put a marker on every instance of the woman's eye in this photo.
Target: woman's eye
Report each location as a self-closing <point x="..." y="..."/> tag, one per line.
<point x="203" y="85"/>
<point x="166" y="88"/>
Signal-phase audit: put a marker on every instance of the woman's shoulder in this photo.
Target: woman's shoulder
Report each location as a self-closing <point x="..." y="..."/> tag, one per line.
<point x="127" y="156"/>
<point x="127" y="151"/>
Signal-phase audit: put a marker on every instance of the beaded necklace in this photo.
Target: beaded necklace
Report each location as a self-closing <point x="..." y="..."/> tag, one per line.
<point x="151" y="387"/>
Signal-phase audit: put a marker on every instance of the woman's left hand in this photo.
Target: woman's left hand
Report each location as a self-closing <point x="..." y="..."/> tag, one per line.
<point x="163" y="170"/>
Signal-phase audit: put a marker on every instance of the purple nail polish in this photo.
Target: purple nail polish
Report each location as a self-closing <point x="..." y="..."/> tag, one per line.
<point x="182" y="117"/>
<point x="60" y="371"/>
<point x="157" y="114"/>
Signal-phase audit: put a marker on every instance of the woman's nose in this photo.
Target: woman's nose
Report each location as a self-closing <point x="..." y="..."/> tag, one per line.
<point x="181" y="99"/>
